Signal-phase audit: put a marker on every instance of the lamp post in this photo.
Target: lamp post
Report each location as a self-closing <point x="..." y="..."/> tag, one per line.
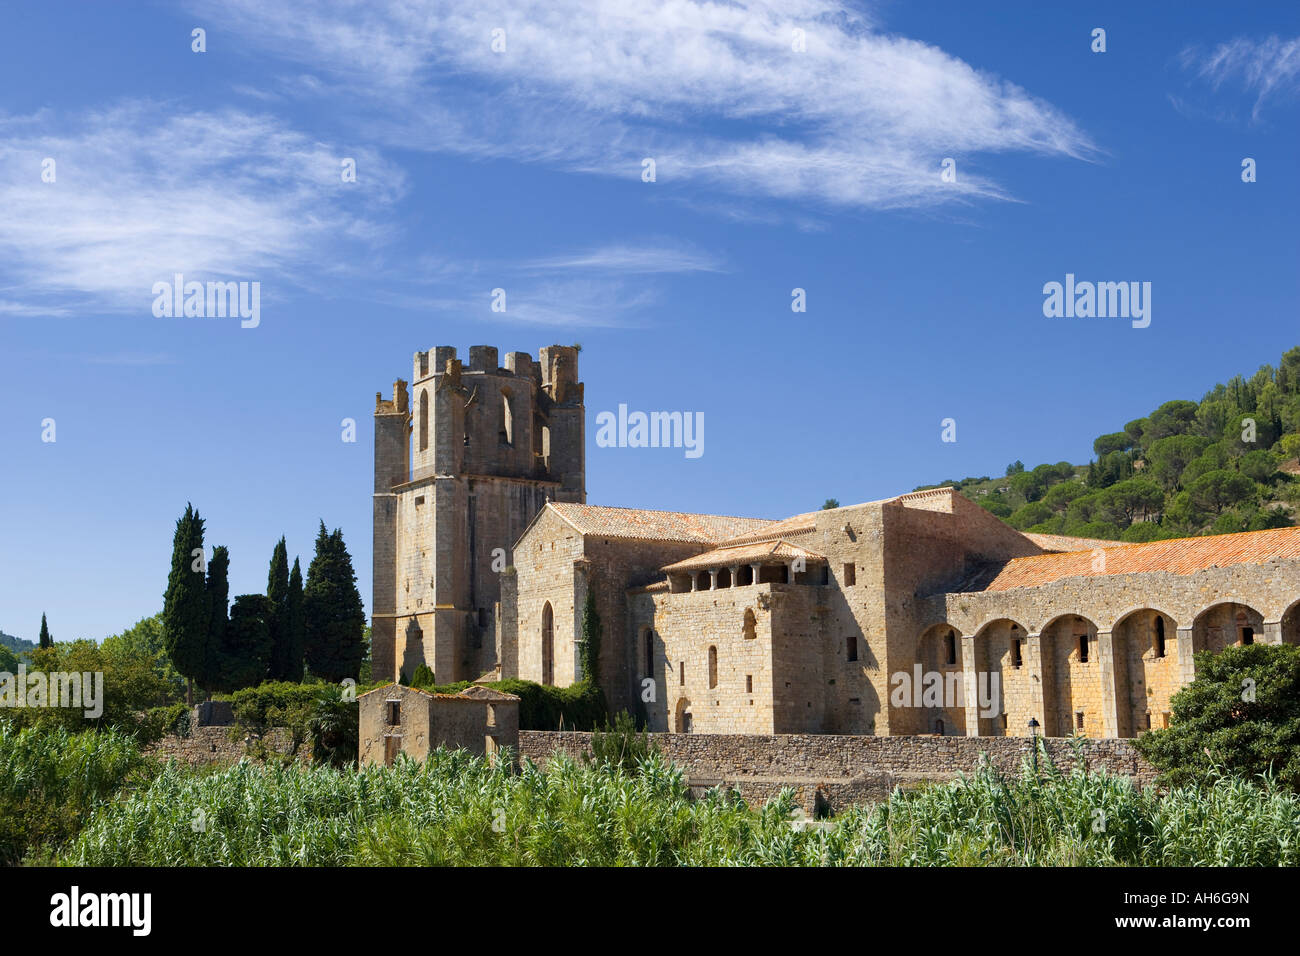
<point x="1033" y="742"/>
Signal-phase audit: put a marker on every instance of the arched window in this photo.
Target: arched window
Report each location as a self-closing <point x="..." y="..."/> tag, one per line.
<point x="1160" y="636"/>
<point x="751" y="626"/>
<point x="548" y="644"/>
<point x="424" y="419"/>
<point x="713" y="667"/>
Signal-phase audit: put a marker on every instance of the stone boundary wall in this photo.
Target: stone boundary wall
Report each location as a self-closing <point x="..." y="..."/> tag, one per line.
<point x="212" y="745"/>
<point x="832" y="771"/>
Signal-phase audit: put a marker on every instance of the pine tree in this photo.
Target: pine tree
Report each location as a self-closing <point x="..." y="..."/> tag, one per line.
<point x="45" y="640"/>
<point x="218" y="595"/>
<point x="295" y="628"/>
<point x="277" y="595"/>
<point x="332" y="611"/>
<point x="185" y="602"/>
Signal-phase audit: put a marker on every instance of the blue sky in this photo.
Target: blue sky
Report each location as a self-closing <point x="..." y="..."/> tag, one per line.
<point x="522" y="169"/>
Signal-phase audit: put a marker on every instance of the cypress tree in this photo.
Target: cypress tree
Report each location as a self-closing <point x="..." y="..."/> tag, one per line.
<point x="332" y="611"/>
<point x="277" y="596"/>
<point x="295" y="629"/>
<point x="45" y="639"/>
<point x="218" y="594"/>
<point x="185" y="602"/>
<point x="591" y="634"/>
<point x="247" y="654"/>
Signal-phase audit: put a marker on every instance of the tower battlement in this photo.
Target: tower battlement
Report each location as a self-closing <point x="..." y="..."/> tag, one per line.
<point x="463" y="462"/>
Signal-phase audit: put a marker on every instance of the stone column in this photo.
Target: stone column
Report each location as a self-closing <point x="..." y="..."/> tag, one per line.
<point x="1186" y="666"/>
<point x="970" y="686"/>
<point x="756" y="568"/>
<point x="1037" y="692"/>
<point x="735" y="575"/>
<point x="695" y="580"/>
<point x="1272" y="632"/>
<point x="713" y="580"/>
<point x="1114" y="688"/>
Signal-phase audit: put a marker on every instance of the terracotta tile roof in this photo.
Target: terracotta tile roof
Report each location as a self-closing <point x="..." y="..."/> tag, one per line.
<point x="806" y="523"/>
<point x="479" y="692"/>
<point x="1177" y="556"/>
<point x="654" y="525"/>
<point x="759" y="553"/>
<point x="1061" y="542"/>
<point x="772" y="530"/>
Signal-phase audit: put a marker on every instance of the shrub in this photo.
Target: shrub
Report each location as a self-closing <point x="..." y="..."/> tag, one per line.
<point x="1242" y="712"/>
<point x="580" y="706"/>
<point x="161" y="721"/>
<point x="270" y="704"/>
<point x="334" y="729"/>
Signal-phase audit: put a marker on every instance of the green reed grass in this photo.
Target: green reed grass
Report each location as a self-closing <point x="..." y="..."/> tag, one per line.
<point x="455" y="809"/>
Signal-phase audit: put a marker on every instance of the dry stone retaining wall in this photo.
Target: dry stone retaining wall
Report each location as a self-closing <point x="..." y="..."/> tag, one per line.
<point x="212" y="745"/>
<point x="834" y="771"/>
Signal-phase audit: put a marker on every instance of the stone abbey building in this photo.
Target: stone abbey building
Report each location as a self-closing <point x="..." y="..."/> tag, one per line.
<point x="829" y="622"/>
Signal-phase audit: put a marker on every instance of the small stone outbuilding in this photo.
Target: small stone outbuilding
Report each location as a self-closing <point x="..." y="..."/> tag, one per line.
<point x="397" y="719"/>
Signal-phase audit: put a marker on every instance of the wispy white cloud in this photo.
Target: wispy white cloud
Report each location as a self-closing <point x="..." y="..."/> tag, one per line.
<point x="715" y="92"/>
<point x="632" y="259"/>
<point x="143" y="190"/>
<point x="570" y="303"/>
<point x="1268" y="68"/>
<point x="32" y="309"/>
<point x="604" y="286"/>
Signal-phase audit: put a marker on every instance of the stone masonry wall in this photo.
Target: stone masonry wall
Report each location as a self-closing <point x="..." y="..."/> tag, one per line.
<point x="212" y="745"/>
<point x="835" y="771"/>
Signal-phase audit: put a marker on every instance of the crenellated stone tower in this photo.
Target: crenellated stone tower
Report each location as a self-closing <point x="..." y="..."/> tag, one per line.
<point x="462" y="464"/>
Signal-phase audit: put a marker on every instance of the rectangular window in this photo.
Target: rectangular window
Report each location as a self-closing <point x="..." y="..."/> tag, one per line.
<point x="394" y="712"/>
<point x="1016" y="659"/>
<point x="749" y="683"/>
<point x="681" y="673"/>
<point x="853" y="647"/>
<point x="1078" y="719"/>
<point x="850" y="575"/>
<point x="1083" y="648"/>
